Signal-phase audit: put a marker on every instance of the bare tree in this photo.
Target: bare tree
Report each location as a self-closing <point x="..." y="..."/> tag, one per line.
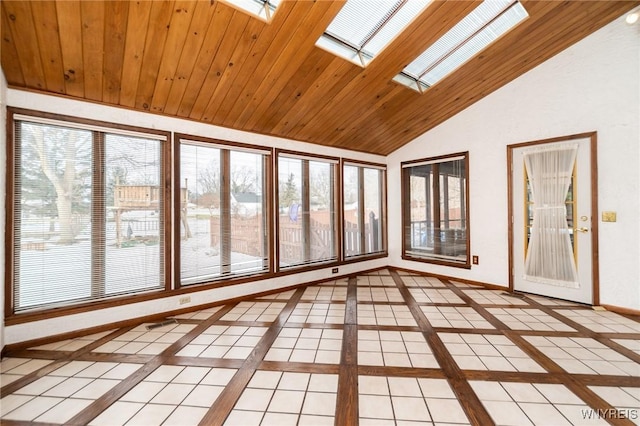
<point x="58" y="154"/>
<point x="209" y="188"/>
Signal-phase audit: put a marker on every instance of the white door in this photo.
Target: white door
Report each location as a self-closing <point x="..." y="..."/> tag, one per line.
<point x="578" y="228"/>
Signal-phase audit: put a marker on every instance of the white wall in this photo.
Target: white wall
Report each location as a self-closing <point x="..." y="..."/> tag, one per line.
<point x="59" y="105"/>
<point x="593" y="85"/>
<point x="3" y="154"/>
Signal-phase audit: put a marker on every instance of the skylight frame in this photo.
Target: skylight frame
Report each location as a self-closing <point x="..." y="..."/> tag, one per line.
<point x="262" y="9"/>
<point x="362" y="30"/>
<point x="507" y="18"/>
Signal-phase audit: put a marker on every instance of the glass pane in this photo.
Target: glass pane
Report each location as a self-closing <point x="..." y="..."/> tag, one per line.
<point x="53" y="216"/>
<point x="134" y="200"/>
<point x="290" y="211"/>
<point x="248" y="223"/>
<point x="322" y="221"/>
<point x="200" y="213"/>
<point x="485" y="24"/>
<point x="352" y="229"/>
<point x="373" y="210"/>
<point x="477" y="43"/>
<point x="437" y="227"/>
<point x="368" y="27"/>
<point x="421" y="230"/>
<point x="257" y="7"/>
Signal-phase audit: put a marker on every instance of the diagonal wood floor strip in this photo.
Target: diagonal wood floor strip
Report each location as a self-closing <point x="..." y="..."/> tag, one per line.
<point x="347" y="399"/>
<point x="586" y="394"/>
<point x="472" y="406"/>
<point x="227" y="399"/>
<point x="102" y="403"/>
<point x="465" y="327"/>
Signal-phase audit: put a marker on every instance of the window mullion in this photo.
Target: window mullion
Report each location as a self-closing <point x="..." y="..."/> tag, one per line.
<point x="437" y="246"/>
<point x="306" y="212"/>
<point x="225" y="212"/>
<point x="361" y="211"/>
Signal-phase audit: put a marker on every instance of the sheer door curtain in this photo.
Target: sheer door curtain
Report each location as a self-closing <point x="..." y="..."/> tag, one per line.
<point x="550" y="258"/>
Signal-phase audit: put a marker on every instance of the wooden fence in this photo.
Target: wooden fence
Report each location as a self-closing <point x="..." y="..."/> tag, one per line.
<point x="247" y="237"/>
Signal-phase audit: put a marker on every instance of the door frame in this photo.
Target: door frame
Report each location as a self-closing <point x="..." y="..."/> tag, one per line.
<point x="595" y="267"/>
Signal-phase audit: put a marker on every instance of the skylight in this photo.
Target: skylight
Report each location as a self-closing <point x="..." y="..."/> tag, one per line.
<point x="484" y="25"/>
<point x="261" y="8"/>
<point x="363" y="28"/>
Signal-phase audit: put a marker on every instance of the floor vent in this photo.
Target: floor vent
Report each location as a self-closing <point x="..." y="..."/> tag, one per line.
<point x="162" y="324"/>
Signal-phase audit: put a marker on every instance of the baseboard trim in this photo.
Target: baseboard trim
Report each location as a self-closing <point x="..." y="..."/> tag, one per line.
<point x="449" y="278"/>
<point x="132" y="322"/>
<point x="621" y="310"/>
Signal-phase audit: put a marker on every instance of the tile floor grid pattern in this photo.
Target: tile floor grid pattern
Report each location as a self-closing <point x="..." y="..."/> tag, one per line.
<point x="402" y="388"/>
<point x="140" y="340"/>
<point x="373" y="314"/>
<point x="455" y="317"/>
<point x="318" y="313"/>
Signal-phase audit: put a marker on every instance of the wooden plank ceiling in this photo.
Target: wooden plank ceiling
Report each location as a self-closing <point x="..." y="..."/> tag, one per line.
<point x="206" y="61"/>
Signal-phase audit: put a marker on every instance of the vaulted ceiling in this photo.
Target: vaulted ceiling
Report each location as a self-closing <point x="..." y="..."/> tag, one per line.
<point x="206" y="61"/>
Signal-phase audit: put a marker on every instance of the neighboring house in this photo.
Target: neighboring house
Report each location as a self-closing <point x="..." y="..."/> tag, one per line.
<point x="246" y="203"/>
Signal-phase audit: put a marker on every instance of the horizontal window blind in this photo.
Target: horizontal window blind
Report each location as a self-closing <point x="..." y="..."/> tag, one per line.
<point x="74" y="240"/>
<point x="88" y="127"/>
<point x="307" y="214"/>
<point x="223" y="213"/>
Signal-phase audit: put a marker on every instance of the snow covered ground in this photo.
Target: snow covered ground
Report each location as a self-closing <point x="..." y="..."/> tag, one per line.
<point x="58" y="273"/>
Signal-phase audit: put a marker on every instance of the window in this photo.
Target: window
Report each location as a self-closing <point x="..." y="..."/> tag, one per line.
<point x="363" y="209"/>
<point x="88" y="215"/>
<point x="263" y="9"/>
<point x="435" y="210"/>
<point x="488" y="22"/>
<point x="362" y="29"/>
<point x="307" y="219"/>
<point x="223" y="211"/>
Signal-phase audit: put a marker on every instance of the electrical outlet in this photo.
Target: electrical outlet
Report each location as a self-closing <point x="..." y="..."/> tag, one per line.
<point x="475" y="260"/>
<point x="184" y="300"/>
<point x="334" y="271"/>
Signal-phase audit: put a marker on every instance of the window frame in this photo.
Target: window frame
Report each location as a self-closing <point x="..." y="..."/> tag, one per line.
<point x="336" y="200"/>
<point x="338" y="45"/>
<point x="418" y="82"/>
<point x="361" y="165"/>
<point x="99" y="130"/>
<point x="170" y="186"/>
<point x="405" y="194"/>
<point x="228" y="278"/>
<point x="267" y="9"/>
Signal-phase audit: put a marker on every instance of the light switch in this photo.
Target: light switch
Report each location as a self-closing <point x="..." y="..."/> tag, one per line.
<point x="608" y="216"/>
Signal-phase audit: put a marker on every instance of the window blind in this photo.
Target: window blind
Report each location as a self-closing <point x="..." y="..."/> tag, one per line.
<point x="307" y="214"/>
<point x="223" y="213"/>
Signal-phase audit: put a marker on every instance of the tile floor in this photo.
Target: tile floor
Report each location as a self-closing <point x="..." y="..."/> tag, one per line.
<point x="382" y="348"/>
